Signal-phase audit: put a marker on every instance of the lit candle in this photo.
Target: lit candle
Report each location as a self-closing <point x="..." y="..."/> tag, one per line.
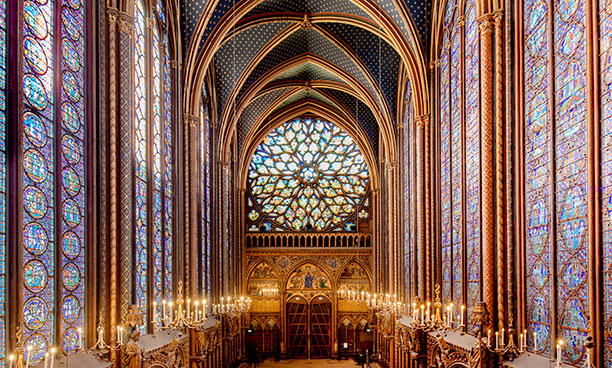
<point x="414" y="311"/>
<point x="362" y="293"/>
<point x="525" y="339"/>
<point x="28" y="355"/>
<point x="535" y="342"/>
<point x="170" y="307"/>
<point x="452" y="311"/>
<point x="428" y="308"/>
<point x="462" y="311"/>
<point x="204" y="307"/>
<point x="120" y="336"/>
<point x="496" y="340"/>
<point x="81" y="338"/>
<point x="52" y="357"/>
<point x="101" y="334"/>
<point x="197" y="303"/>
<point x="188" y="306"/>
<point x="46" y="359"/>
<point x="11" y="360"/>
<point x="559" y="357"/>
<point x="448" y="312"/>
<point x="503" y="335"/>
<point x="164" y="309"/>
<point x="521" y="343"/>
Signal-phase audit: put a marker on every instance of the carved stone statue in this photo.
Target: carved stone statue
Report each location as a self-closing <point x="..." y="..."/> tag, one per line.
<point x="133" y="351"/>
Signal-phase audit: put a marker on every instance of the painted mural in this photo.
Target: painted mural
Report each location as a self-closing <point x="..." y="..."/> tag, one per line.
<point x="262" y="278"/>
<point x="354" y="278"/>
<point x="308" y="277"/>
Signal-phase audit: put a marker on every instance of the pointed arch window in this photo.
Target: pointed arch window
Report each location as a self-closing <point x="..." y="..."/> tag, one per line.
<point x="53" y="178"/>
<point x="153" y="160"/>
<point x="409" y="160"/>
<point x="206" y="195"/>
<point x="459" y="98"/>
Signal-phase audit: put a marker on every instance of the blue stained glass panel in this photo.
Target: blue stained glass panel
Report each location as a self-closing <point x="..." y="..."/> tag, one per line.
<point x="39" y="202"/>
<point x="140" y="142"/>
<point x="472" y="88"/>
<point x="158" y="110"/>
<point x="409" y="197"/>
<point x="456" y="86"/>
<point x="168" y="167"/>
<point x="445" y="170"/>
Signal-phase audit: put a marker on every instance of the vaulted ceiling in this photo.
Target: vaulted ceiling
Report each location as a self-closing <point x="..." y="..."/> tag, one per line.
<point x="280" y="54"/>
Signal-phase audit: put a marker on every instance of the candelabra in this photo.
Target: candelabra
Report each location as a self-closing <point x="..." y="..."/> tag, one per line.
<point x="181" y="317"/>
<point x="232" y="307"/>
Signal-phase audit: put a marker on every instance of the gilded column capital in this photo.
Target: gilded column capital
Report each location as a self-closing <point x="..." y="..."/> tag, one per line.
<point x="111" y="16"/>
<point x="149" y="22"/>
<point x="126" y="25"/>
<point x="190" y="120"/>
<point x="485" y="23"/>
<point x="173" y="64"/>
<point x="460" y="21"/>
<point x="434" y="64"/>
<point x="391" y="164"/>
<point x="224" y="163"/>
<point x="422" y="121"/>
<point x="498" y="15"/>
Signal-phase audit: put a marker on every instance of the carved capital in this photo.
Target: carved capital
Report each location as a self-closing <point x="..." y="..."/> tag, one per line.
<point x="111" y="17"/>
<point x="434" y="64"/>
<point x="461" y="21"/>
<point x="485" y="23"/>
<point x="191" y="120"/>
<point x="173" y="64"/>
<point x="498" y="16"/>
<point x="422" y="121"/>
<point x="126" y="26"/>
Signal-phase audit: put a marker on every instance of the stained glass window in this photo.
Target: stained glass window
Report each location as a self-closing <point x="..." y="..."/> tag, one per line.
<point x="53" y="126"/>
<point x="459" y="96"/>
<point x="206" y="199"/>
<point x="409" y="195"/>
<point x="140" y="151"/>
<point x="451" y="85"/>
<point x="568" y="157"/>
<point x="472" y="165"/>
<point x="605" y="27"/>
<point x="308" y="174"/>
<point x="2" y="177"/>
<point x="153" y="137"/>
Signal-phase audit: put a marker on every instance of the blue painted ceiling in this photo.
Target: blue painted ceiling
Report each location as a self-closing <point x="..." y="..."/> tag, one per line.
<point x="259" y="48"/>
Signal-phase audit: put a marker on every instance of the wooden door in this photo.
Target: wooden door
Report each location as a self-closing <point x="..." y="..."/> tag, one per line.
<point x="320" y="328"/>
<point x="297" y="328"/>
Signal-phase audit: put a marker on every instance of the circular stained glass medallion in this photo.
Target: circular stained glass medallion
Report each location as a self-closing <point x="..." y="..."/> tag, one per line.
<point x="70" y="118"/>
<point x="35" y="92"/>
<point x="35" y="202"/>
<point x="71" y="86"/>
<point x="34" y="55"/>
<point x="34" y="129"/>
<point x="70" y="342"/>
<point x="35" y="165"/>
<point x="71" y="23"/>
<point x="71" y="149"/>
<point x="71" y="181"/>
<point x="71" y="245"/>
<point x="70" y="55"/>
<point x="35" y="19"/>
<point x="35" y="238"/>
<point x="72" y="212"/>
<point x="35" y="276"/>
<point x="71" y="276"/>
<point x="39" y="347"/>
<point x="35" y="313"/>
<point x="70" y="309"/>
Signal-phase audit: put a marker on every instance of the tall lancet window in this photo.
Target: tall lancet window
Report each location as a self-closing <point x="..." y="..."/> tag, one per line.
<point x="459" y="98"/>
<point x="205" y="172"/>
<point x="153" y="148"/>
<point x="556" y="175"/>
<point x="53" y="173"/>
<point x="409" y="158"/>
<point x="2" y="177"/>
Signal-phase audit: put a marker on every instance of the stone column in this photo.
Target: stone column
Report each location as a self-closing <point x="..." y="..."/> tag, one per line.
<point x="486" y="161"/>
<point x="500" y="169"/>
<point x="421" y="263"/>
<point x="192" y="125"/>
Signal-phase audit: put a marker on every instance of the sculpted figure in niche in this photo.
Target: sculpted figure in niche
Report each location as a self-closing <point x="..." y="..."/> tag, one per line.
<point x="133" y="351"/>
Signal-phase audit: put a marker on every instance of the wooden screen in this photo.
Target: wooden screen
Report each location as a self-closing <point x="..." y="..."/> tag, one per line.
<point x="320" y="317"/>
<point x="297" y="329"/>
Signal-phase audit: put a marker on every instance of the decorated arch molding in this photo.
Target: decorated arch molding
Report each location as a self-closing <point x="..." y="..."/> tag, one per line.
<point x="199" y="58"/>
<point x="302" y="108"/>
